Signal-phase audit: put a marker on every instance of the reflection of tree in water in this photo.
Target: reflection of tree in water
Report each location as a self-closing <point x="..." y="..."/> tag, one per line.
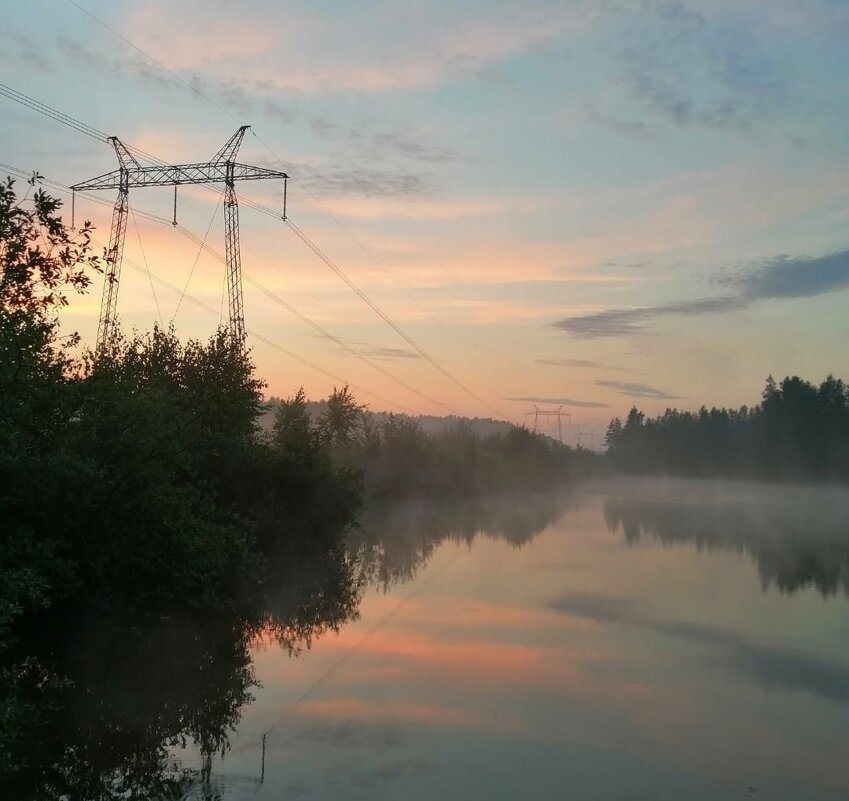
<point x="394" y="542"/>
<point x="316" y="588"/>
<point x="99" y="701"/>
<point x="798" y="537"/>
<point x="129" y="691"/>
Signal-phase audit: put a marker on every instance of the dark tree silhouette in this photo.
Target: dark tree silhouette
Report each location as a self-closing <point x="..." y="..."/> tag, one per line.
<point x="798" y="432"/>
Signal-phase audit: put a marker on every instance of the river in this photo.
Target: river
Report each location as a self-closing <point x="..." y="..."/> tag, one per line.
<point x="635" y="640"/>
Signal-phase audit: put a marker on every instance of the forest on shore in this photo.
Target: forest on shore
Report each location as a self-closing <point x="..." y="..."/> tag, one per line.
<point x="137" y="488"/>
<point x="798" y="432"/>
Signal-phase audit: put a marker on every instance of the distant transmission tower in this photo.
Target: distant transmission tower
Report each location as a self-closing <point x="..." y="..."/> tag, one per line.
<point x="557" y="413"/>
<point x="130" y="173"/>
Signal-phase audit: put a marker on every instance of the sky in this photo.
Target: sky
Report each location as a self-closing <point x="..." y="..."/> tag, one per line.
<point x="594" y="204"/>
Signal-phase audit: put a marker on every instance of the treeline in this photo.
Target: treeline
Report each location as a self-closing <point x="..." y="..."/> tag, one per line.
<point x="398" y="460"/>
<point x="430" y="424"/>
<point x="799" y="431"/>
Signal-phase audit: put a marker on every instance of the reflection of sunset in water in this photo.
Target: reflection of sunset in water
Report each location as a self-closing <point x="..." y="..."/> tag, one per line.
<point x="592" y="660"/>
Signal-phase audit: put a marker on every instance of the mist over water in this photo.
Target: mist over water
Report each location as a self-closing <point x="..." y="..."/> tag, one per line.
<point x="797" y="536"/>
<point x="635" y="639"/>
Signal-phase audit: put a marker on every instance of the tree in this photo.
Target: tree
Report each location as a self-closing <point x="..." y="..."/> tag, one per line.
<point x="292" y="426"/>
<point x="41" y="261"/>
<point x="339" y="422"/>
<point x="613" y="433"/>
<point x="798" y="432"/>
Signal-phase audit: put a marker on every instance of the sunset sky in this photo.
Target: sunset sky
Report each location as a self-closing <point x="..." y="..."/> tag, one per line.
<point x="595" y="204"/>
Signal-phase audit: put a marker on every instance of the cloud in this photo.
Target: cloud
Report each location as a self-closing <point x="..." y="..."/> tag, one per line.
<point x="129" y="63"/>
<point x="683" y="66"/>
<point x="661" y="97"/>
<point x="583" y="364"/>
<point x="580" y="363"/>
<point x="632" y="128"/>
<point x="20" y="50"/>
<point x="413" y="149"/>
<point x="779" y="277"/>
<point x="368" y="183"/>
<point x="769" y="666"/>
<point x="376" y="146"/>
<point x="621" y="322"/>
<point x="636" y="390"/>
<point x="385" y="353"/>
<point x="561" y="401"/>
<point x="786" y="277"/>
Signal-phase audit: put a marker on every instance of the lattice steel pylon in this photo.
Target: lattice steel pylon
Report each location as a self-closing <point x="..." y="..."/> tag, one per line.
<point x="130" y="173"/>
<point x="558" y="413"/>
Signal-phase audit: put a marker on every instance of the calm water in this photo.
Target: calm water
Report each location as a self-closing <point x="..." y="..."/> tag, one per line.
<point x="677" y="640"/>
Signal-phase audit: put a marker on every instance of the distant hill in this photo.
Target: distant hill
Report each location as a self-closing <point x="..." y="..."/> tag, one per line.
<point x="431" y="424"/>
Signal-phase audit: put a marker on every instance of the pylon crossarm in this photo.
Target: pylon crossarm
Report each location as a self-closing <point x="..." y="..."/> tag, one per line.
<point x="169" y="175"/>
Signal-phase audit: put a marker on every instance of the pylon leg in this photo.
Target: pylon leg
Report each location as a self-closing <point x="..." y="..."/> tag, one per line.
<point x="234" y="265"/>
<point x="114" y="257"/>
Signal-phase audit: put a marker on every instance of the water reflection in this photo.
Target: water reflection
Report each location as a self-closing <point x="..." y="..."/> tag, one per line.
<point x="395" y="542"/>
<point x="98" y="704"/>
<point x="100" y="701"/>
<point x="107" y="696"/>
<point x="798" y="537"/>
<point x="586" y="646"/>
<point x="770" y="666"/>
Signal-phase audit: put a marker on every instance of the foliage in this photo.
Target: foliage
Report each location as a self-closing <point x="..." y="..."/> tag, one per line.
<point x="134" y="486"/>
<point x="398" y="460"/>
<point x="339" y="424"/>
<point x="40" y="258"/>
<point x="798" y="432"/>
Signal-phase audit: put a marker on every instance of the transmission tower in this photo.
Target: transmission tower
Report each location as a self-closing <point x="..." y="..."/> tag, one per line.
<point x="557" y="413"/>
<point x="130" y="173"/>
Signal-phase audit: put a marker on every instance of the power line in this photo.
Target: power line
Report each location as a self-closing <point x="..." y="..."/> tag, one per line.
<point x="344" y="228"/>
<point x="271" y="343"/>
<point x="47" y="111"/>
<point x="344" y="345"/>
<point x="320" y="329"/>
<point x="203" y="246"/>
<point x="20" y="173"/>
<point x="150" y="58"/>
<point x="373" y="306"/>
<point x="207" y="308"/>
<point x="299" y="233"/>
<point x="71" y="122"/>
<point x="146" y="265"/>
<point x="67" y="120"/>
<point x="197" y="256"/>
<point x="388" y="320"/>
